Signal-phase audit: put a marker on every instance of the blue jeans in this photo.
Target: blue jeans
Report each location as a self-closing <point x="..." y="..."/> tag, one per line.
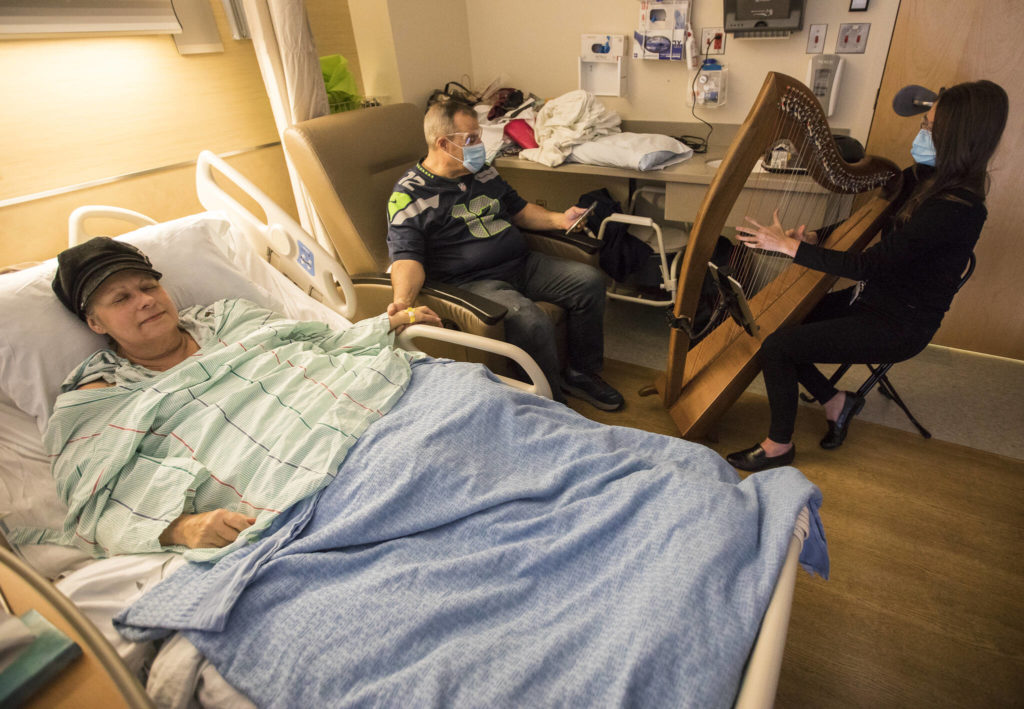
<point x="574" y="286"/>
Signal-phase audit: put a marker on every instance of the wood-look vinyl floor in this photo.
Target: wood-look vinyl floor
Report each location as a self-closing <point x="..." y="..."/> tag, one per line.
<point x="925" y="604"/>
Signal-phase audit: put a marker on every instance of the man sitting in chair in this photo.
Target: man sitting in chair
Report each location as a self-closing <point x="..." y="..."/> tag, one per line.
<point x="453" y="220"/>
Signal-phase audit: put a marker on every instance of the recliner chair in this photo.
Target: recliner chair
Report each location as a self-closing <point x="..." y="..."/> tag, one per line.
<point x="349" y="163"/>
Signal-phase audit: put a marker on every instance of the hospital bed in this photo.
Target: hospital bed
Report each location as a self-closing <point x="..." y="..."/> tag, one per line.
<point x="216" y="254"/>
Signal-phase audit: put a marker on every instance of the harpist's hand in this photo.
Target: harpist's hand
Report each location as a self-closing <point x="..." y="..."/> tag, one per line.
<point x="801" y="233"/>
<point x="206" y="529"/>
<point x="770" y="238"/>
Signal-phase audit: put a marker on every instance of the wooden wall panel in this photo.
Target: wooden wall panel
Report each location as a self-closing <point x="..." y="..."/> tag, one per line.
<point x="37" y="230"/>
<point x="939" y="44"/>
<point x="83" y="109"/>
<point x="78" y="110"/>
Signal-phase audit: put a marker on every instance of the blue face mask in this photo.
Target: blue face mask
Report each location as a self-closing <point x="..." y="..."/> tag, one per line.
<point x="473" y="157"/>
<point x="923" y="149"/>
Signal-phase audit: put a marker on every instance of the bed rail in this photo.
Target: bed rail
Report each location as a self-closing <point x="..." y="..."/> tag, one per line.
<point x="761" y="677"/>
<point x="539" y="386"/>
<point x="302" y="259"/>
<point x="77" y="232"/>
<point x="99" y="677"/>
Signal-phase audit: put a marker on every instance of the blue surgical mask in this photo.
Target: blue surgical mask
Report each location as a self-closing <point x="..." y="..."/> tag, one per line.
<point x="923" y="149"/>
<point x="474" y="156"/>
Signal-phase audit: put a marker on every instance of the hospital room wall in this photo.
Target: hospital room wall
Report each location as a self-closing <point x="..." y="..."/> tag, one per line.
<point x="83" y="110"/>
<point x="408" y="48"/>
<point x="536" y="45"/>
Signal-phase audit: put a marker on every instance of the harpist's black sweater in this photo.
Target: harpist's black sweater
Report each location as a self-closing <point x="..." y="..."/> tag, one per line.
<point x="913" y="271"/>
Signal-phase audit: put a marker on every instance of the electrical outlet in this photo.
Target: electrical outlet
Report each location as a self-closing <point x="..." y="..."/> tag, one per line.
<point x="713" y="36"/>
<point x="853" y="38"/>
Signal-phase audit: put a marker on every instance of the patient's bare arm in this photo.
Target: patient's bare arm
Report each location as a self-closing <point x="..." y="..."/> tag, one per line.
<point x="206" y="529"/>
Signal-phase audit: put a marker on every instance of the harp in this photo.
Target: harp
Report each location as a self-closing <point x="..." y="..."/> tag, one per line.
<point x="704" y="378"/>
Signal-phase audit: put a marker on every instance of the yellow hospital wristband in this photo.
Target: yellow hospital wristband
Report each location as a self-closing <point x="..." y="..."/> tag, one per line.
<point x="412" y="314"/>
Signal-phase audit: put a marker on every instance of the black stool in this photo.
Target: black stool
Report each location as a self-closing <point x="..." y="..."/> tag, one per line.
<point x="879" y="372"/>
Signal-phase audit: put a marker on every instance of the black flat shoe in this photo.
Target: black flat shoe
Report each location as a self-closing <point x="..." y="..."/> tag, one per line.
<point x="837" y="429"/>
<point x="755" y="459"/>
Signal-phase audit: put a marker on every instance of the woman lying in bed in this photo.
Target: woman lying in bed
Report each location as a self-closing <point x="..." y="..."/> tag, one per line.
<point x="479" y="546"/>
<point x="113" y="287"/>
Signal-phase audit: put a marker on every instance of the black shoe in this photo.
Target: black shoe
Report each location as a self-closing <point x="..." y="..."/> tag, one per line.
<point x="755" y="459"/>
<point x="591" y="388"/>
<point x="837" y="429"/>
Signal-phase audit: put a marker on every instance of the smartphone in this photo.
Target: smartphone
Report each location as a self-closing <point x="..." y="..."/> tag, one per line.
<point x="581" y="219"/>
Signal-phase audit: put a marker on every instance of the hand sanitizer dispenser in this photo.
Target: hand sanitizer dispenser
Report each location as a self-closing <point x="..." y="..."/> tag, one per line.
<point x="711" y="87"/>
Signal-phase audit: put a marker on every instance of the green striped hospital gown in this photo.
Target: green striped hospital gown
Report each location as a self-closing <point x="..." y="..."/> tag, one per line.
<point x="258" y="419"/>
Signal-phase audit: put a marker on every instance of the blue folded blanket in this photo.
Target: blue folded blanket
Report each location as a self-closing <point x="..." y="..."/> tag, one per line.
<point x="485" y="547"/>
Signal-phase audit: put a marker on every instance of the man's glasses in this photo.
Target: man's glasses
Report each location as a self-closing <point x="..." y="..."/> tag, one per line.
<point x="464" y="138"/>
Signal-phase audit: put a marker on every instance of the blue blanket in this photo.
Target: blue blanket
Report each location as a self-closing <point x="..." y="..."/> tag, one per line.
<point x="485" y="547"/>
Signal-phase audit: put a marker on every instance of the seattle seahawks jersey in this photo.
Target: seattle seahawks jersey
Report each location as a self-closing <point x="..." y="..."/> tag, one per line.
<point x="459" y="229"/>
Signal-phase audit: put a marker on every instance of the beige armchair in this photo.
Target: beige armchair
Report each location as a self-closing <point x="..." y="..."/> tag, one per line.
<point x="349" y="163"/>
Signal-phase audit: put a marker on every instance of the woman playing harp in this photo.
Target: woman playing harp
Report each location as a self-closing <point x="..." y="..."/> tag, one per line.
<point x="909" y="277"/>
<point x="784" y="157"/>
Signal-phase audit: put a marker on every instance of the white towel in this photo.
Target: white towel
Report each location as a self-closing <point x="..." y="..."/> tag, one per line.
<point x="572" y="118"/>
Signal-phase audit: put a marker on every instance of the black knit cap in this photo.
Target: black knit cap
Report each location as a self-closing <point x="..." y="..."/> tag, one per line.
<point x="81" y="269"/>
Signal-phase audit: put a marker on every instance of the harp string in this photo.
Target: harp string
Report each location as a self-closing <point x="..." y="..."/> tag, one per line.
<point x="741" y="262"/>
<point x="799" y="202"/>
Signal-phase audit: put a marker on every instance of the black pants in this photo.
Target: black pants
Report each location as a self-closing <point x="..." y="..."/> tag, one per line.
<point x="834" y="333"/>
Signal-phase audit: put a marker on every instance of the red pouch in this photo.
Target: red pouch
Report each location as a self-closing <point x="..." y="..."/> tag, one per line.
<point x="520" y="131"/>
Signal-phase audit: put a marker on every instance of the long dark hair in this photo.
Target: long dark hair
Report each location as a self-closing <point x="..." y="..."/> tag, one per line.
<point x="969" y="121"/>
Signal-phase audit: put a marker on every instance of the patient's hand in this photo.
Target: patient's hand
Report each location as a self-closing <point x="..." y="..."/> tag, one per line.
<point x="401" y="319"/>
<point x="206" y="529"/>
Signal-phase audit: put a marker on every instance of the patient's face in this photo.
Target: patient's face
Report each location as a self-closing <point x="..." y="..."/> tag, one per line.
<point x="133" y="308"/>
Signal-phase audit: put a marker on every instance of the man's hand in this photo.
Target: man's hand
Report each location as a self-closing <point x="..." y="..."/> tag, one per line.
<point x="534" y="217"/>
<point x="206" y="530"/>
<point x="396" y="307"/>
<point x="571" y="215"/>
<point x="402" y="316"/>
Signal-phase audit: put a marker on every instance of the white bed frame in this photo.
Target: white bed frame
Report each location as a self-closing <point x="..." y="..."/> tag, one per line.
<point x="282" y="236"/>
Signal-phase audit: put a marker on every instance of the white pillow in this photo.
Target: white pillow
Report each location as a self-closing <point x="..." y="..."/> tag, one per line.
<point x="41" y="342"/>
<point x="28" y="496"/>
<point x="634" y="151"/>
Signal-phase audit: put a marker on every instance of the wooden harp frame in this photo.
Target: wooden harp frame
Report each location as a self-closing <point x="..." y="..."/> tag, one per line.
<point x="695" y="397"/>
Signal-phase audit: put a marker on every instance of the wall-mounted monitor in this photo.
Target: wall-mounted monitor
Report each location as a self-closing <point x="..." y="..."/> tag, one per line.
<point x="763" y="18"/>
